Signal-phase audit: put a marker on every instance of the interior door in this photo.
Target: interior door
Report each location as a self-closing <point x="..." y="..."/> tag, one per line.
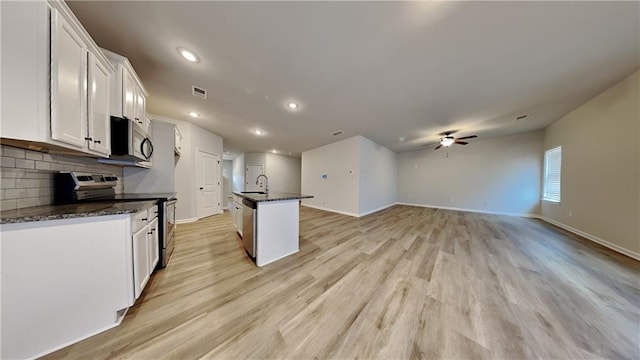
<point x="253" y="171"/>
<point x="208" y="174"/>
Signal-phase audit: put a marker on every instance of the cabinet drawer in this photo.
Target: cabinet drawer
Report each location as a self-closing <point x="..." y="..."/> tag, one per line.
<point x="153" y="212"/>
<point x="139" y="220"/>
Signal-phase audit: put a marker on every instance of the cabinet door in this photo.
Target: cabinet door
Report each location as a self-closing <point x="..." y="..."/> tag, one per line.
<point x="154" y="245"/>
<point x="129" y="95"/>
<point x="99" y="121"/>
<point x="140" y="106"/>
<point x="140" y="260"/>
<point x="68" y="84"/>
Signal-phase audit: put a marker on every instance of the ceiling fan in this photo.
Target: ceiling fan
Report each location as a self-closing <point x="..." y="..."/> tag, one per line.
<point x="448" y="139"/>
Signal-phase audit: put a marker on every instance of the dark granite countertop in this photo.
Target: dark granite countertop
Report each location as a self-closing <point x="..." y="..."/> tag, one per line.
<point x="58" y="212"/>
<point x="272" y="196"/>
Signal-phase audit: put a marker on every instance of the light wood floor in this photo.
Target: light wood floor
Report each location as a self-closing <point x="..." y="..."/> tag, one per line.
<point x="405" y="282"/>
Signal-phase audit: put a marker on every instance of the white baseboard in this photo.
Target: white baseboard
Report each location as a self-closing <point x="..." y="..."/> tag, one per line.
<point x="331" y="210"/>
<point x="37" y="356"/>
<point x="472" y="210"/>
<point x="186" y="221"/>
<point x="376" y="210"/>
<point x="605" y="243"/>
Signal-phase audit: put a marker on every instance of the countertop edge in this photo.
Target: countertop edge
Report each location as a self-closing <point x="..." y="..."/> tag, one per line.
<point x="275" y="196"/>
<point x="48" y="212"/>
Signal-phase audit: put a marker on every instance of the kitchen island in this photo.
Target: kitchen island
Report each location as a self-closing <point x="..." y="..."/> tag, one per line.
<point x="271" y="222"/>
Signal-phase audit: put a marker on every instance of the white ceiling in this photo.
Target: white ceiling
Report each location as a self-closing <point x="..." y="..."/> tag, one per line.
<point x="379" y="69"/>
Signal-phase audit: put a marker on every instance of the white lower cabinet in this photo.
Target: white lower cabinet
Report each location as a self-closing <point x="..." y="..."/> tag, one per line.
<point x="62" y="281"/>
<point x="65" y="280"/>
<point x="154" y="245"/>
<point x="236" y="213"/>
<point x="141" y="272"/>
<point x="146" y="249"/>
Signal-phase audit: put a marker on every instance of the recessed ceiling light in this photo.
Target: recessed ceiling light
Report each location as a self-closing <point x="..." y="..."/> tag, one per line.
<point x="292" y="105"/>
<point x="274" y="151"/>
<point x="258" y="132"/>
<point x="193" y="114"/>
<point x="188" y="54"/>
<point x="522" y="117"/>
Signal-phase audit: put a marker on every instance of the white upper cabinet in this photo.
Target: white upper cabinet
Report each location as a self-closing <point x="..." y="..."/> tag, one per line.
<point x="68" y="83"/>
<point x="128" y="96"/>
<point x="140" y="116"/>
<point x="99" y="102"/>
<point x="59" y="80"/>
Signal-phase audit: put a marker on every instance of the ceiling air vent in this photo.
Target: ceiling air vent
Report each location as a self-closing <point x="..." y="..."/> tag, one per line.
<point x="339" y="132"/>
<point x="198" y="92"/>
<point x="522" y="117"/>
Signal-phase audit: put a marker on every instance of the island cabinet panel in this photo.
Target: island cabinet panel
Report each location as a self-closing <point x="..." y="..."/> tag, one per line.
<point x="277" y="227"/>
<point x="62" y="281"/>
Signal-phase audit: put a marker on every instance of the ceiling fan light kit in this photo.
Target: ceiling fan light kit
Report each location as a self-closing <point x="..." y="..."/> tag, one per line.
<point x="449" y="140"/>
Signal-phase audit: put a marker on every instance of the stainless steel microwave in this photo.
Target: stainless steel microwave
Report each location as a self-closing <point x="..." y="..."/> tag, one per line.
<point x="129" y="141"/>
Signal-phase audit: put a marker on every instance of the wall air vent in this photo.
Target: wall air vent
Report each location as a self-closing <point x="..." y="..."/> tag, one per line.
<point x="522" y="117"/>
<point x="339" y="132"/>
<point x="199" y="92"/>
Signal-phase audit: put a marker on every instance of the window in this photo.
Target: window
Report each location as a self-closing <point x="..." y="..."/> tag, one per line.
<point x="552" y="172"/>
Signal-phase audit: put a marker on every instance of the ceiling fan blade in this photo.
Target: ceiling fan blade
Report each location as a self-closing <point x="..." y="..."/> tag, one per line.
<point x="467" y="137"/>
<point x="438" y="147"/>
<point x="460" y="142"/>
<point x="448" y="132"/>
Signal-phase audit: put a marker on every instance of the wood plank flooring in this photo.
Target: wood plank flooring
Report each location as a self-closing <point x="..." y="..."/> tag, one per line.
<point x="402" y="283"/>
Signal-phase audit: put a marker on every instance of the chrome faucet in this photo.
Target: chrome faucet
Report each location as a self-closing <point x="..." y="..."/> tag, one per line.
<point x="266" y="182"/>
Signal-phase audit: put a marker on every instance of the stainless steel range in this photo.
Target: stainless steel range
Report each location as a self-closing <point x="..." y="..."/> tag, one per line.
<point x="75" y="187"/>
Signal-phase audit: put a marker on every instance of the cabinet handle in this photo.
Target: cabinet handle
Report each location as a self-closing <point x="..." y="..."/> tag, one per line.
<point x="97" y="141"/>
<point x="88" y="138"/>
<point x="150" y="233"/>
<point x="144" y="219"/>
<point x="201" y="188"/>
<point x="137" y="119"/>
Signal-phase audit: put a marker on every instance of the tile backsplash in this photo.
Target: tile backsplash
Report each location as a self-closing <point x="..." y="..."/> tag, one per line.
<point x="26" y="176"/>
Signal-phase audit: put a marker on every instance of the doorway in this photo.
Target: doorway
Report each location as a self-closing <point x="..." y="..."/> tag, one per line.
<point x="208" y="183"/>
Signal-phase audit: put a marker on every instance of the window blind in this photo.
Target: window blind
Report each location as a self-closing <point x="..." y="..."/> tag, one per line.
<point x="552" y="174"/>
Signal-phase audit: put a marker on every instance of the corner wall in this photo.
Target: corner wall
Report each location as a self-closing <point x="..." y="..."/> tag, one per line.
<point x="378" y="177"/>
<point x="600" y="180"/>
<point x="498" y="175"/>
<point x="339" y="161"/>
<point x="360" y="178"/>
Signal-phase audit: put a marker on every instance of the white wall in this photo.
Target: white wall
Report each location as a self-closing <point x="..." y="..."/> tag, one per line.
<point x="283" y="173"/>
<point x="378" y="177"/>
<point x="500" y="175"/>
<point x="238" y="173"/>
<point x="340" y="162"/>
<point x="601" y="166"/>
<point x="193" y="137"/>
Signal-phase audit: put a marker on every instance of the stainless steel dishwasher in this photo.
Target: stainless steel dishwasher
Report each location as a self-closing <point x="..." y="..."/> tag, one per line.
<point x="249" y="225"/>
